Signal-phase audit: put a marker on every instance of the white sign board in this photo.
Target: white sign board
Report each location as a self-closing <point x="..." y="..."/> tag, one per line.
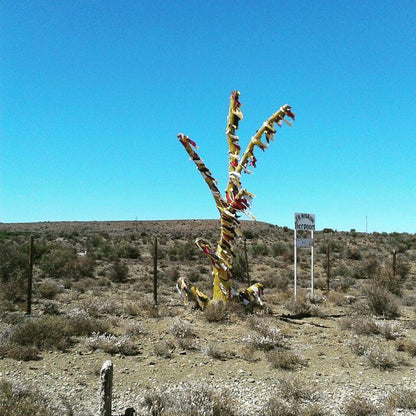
<point x="305" y="222"/>
<point x="304" y="242"/>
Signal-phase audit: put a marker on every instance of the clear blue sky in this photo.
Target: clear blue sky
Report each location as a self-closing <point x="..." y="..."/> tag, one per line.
<point x="94" y="92"/>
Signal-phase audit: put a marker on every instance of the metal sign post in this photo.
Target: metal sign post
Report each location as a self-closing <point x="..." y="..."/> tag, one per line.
<point x="303" y="222"/>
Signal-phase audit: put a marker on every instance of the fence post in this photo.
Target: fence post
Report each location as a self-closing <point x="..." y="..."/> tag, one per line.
<point x="246" y="262"/>
<point x="155" y="273"/>
<point x="328" y="270"/>
<point x="106" y="387"/>
<point x="394" y="263"/>
<point x="30" y="278"/>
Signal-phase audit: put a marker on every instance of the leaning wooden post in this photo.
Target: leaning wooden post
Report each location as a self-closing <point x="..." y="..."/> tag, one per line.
<point x="394" y="263"/>
<point x="246" y="262"/>
<point x="155" y="273"/>
<point x="106" y="387"/>
<point x="30" y="278"/>
<point x="328" y="271"/>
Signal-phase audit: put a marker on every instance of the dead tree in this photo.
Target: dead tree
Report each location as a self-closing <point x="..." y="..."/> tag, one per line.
<point x="236" y="199"/>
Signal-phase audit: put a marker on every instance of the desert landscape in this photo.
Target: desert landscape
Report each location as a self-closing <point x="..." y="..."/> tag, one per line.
<point x="349" y="350"/>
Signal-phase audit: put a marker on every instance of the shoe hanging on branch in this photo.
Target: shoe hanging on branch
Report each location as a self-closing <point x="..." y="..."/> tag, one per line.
<point x="236" y="199"/>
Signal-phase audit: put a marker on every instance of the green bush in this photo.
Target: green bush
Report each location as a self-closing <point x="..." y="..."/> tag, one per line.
<point x="278" y="249"/>
<point x="381" y="302"/>
<point x="63" y="262"/>
<point x="259" y="250"/>
<point x="182" y="251"/>
<point x="118" y="272"/>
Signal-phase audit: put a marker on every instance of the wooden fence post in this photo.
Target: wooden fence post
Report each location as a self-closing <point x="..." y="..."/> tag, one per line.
<point x="30" y="278"/>
<point x="328" y="270"/>
<point x="246" y="262"/>
<point x="155" y="273"/>
<point x="106" y="387"/>
<point x="394" y="263"/>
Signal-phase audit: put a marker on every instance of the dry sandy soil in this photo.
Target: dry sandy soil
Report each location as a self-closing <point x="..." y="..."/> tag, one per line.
<point x="217" y="355"/>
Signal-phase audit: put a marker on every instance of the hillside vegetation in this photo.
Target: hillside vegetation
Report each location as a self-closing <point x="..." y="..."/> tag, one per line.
<point x="348" y="350"/>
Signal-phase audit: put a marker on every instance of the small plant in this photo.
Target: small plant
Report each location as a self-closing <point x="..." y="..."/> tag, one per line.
<point x="284" y="359"/>
<point x="19" y="400"/>
<point x="118" y="272"/>
<point x="216" y="312"/>
<point x="292" y="389"/>
<point x="113" y="344"/>
<point x="189" y="399"/>
<point x="377" y="355"/>
<point x="403" y="398"/>
<point x="302" y="308"/>
<point x="381" y="302"/>
<point x="48" y="289"/>
<point x="258" y="250"/>
<point x="181" y="328"/>
<point x="359" y="406"/>
<point x="163" y="349"/>
<point x="213" y="351"/>
<point x="408" y="346"/>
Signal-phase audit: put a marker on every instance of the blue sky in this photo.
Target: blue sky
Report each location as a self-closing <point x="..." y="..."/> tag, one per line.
<point x="93" y="94"/>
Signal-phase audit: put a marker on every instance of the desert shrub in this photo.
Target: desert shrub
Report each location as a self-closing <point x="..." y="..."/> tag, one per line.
<point x="14" y="290"/>
<point x="13" y="273"/>
<point x="342" y="284"/>
<point x="353" y="254"/>
<point x="216" y="312"/>
<point x="51" y="308"/>
<point x="292" y="389"/>
<point x="13" y="260"/>
<point x="248" y="353"/>
<point x="239" y="267"/>
<point x="181" y="328"/>
<point x="381" y="357"/>
<point x="332" y="245"/>
<point x="113" y="344"/>
<point x="81" y="323"/>
<point x="19" y="352"/>
<point x="249" y="235"/>
<point x="259" y="250"/>
<point x="284" y="359"/>
<point x="360" y="325"/>
<point x="278" y="249"/>
<point x="266" y="337"/>
<point x="19" y="400"/>
<point x="407" y="346"/>
<point x="275" y="406"/>
<point x="182" y="251"/>
<point x="163" y="349"/>
<point x="135" y="329"/>
<point x="378" y="355"/>
<point x="370" y="267"/>
<point x="302" y="308"/>
<point x="403" y="398"/>
<point x="337" y="298"/>
<point x="390" y="330"/>
<point x="359" y="406"/>
<point x="48" y="289"/>
<point x="127" y="251"/>
<point x="381" y="302"/>
<point x="45" y="332"/>
<point x="63" y="262"/>
<point x="175" y="401"/>
<point x="118" y="272"/>
<point x="213" y="351"/>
